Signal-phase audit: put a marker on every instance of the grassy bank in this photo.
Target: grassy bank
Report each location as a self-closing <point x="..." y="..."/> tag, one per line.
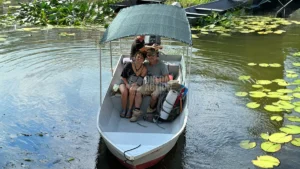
<point x="186" y="3"/>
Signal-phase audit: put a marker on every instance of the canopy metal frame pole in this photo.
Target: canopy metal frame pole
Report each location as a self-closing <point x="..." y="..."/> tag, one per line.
<point x="189" y="71"/>
<point x="111" y="67"/>
<point x="100" y="62"/>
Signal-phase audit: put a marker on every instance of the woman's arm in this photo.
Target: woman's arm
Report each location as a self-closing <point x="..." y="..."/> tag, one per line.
<point x="144" y="72"/>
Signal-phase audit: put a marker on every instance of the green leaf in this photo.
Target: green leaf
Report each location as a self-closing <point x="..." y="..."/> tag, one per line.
<point x="288" y="98"/>
<point x="266" y="161"/>
<point x="290" y="75"/>
<point x="244" y="77"/>
<point x="275" y="65"/>
<point x="263" y="65"/>
<point x="273" y="108"/>
<point x="241" y="94"/>
<point x="253" y="105"/>
<point x="257" y="94"/>
<point x="246" y="144"/>
<point x="280" y="138"/>
<point x="296" y="54"/>
<point x="293" y="118"/>
<point x="296" y="64"/>
<point x="270" y="147"/>
<point x="296" y="142"/>
<point x="297" y="95"/>
<point x="297" y="109"/>
<point x="284" y="91"/>
<point x="265" y="136"/>
<point x="276" y="118"/>
<point x="284" y="104"/>
<point x="297" y="104"/>
<point x="290" y="129"/>
<point x="252" y="64"/>
<point x="263" y="82"/>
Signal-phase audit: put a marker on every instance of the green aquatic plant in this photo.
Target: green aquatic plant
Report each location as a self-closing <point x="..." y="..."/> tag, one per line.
<point x="296" y="142"/>
<point x="296" y="54"/>
<point x="265" y="136"/>
<point x="272" y="108"/>
<point x="263" y="65"/>
<point x="293" y="118"/>
<point x="64" y="12"/>
<point x="270" y="147"/>
<point x="241" y="94"/>
<point x="280" y="138"/>
<point x="290" y="129"/>
<point x="246" y="144"/>
<point x="276" y="118"/>
<point x="257" y="94"/>
<point x="263" y="82"/>
<point x="244" y="77"/>
<point x="266" y="161"/>
<point x="253" y="105"/>
<point x="252" y="64"/>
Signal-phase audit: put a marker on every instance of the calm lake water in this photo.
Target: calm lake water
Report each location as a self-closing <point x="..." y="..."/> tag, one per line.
<point x="49" y="90"/>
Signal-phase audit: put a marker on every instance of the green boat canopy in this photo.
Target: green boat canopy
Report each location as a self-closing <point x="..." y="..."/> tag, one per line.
<point x="150" y="19"/>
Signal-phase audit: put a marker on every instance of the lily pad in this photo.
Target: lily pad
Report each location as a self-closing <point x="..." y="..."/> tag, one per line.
<point x="284" y="105"/>
<point x="253" y="105"/>
<point x="270" y="147"/>
<point x="246" y="144"/>
<point x="265" y="136"/>
<point x="284" y="90"/>
<point x="296" y="54"/>
<point x="241" y="94"/>
<point x="274" y="94"/>
<point x="252" y="64"/>
<point x="244" y="77"/>
<point x="297" y="109"/>
<point x="291" y="75"/>
<point x="263" y="65"/>
<point x="263" y="82"/>
<point x="296" y="64"/>
<point x="2" y="39"/>
<point x="286" y="97"/>
<point x="275" y="65"/>
<point x="280" y="138"/>
<point x="31" y="29"/>
<point x="276" y="118"/>
<point x="290" y="129"/>
<point x="293" y="118"/>
<point x="257" y="86"/>
<point x="297" y="95"/>
<point x="266" y="161"/>
<point x="283" y="83"/>
<point x="257" y="94"/>
<point x="273" y="108"/>
<point x="296" y="104"/>
<point x="290" y="71"/>
<point x="296" y="142"/>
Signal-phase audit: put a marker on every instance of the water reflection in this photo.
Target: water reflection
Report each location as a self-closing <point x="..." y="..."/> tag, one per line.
<point x="49" y="89"/>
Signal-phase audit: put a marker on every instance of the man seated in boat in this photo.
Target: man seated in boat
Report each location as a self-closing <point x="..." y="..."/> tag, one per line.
<point x="139" y="45"/>
<point x="158" y="75"/>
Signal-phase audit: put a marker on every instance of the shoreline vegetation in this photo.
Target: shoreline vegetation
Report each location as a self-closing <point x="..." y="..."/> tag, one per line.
<point x="97" y="13"/>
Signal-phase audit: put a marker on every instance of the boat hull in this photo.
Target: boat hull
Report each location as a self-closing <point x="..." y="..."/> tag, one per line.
<point x="144" y="161"/>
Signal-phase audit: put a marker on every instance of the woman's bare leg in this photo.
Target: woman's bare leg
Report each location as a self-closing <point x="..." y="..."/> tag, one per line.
<point x="124" y="97"/>
<point x="132" y="92"/>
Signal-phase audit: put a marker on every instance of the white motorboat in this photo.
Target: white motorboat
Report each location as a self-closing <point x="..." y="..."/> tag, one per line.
<point x="143" y="144"/>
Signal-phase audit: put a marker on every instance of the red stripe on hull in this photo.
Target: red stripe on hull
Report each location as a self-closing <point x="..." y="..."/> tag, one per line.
<point x="142" y="166"/>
